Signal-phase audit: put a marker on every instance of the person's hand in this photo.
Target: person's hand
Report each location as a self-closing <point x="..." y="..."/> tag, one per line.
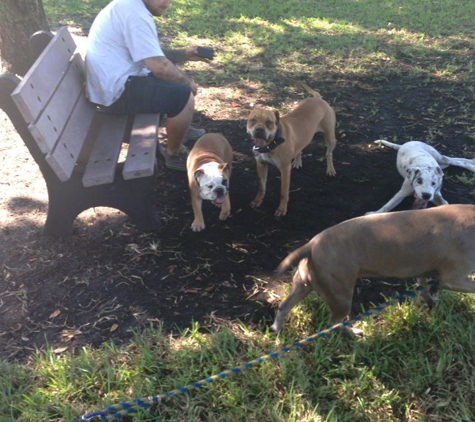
<point x="194" y="88"/>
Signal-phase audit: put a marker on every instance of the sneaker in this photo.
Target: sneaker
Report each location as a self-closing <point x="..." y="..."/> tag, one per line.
<point x="194" y="133"/>
<point x="175" y="161"/>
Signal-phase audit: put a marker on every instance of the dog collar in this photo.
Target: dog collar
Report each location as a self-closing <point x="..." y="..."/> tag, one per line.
<point x="278" y="140"/>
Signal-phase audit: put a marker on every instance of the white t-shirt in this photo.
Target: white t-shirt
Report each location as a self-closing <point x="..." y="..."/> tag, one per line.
<point x="122" y="35"/>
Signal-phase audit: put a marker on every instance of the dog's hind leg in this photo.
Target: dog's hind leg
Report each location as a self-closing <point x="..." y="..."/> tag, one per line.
<point x="327" y="126"/>
<point x="300" y="289"/>
<point x="458" y="162"/>
<point x="339" y="301"/>
<point x="330" y="142"/>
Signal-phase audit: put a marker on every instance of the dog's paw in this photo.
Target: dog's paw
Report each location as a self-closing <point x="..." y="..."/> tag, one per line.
<point x="197" y="226"/>
<point x="256" y="203"/>
<point x="297" y="161"/>
<point x="280" y="212"/>
<point x="223" y="215"/>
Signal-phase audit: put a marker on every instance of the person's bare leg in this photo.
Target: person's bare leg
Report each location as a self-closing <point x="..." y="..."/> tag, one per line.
<point x="178" y="126"/>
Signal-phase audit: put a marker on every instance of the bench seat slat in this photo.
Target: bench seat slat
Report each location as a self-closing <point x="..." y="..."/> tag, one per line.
<point x="141" y="156"/>
<point x="50" y="124"/>
<point x="65" y="155"/>
<point x="33" y="92"/>
<point x="111" y="133"/>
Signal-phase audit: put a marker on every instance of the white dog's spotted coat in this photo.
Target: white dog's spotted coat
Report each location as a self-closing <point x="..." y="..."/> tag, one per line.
<point x="421" y="167"/>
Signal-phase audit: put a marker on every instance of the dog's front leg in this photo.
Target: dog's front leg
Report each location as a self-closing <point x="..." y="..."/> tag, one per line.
<point x="439" y="199"/>
<point x="225" y="208"/>
<point x="261" y="183"/>
<point x="406" y="190"/>
<point x="198" y="222"/>
<point x="425" y="292"/>
<point x="284" y="190"/>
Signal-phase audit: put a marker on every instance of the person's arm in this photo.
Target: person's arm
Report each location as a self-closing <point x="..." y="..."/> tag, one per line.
<point x="183" y="55"/>
<point x="163" y="68"/>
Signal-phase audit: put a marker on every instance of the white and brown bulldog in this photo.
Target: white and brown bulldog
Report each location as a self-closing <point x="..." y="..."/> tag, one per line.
<point x="209" y="170"/>
<point x="280" y="141"/>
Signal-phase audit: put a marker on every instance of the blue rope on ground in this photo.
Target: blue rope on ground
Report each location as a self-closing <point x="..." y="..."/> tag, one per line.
<point x="119" y="410"/>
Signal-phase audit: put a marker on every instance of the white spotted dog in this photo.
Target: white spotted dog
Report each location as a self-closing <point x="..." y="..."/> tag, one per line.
<point x="421" y="167"/>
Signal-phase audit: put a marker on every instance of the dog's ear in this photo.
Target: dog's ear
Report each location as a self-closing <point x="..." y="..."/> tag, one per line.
<point x="410" y="172"/>
<point x="277" y="117"/>
<point x="197" y="174"/>
<point x="413" y="172"/>
<point x="439" y="171"/>
<point x="222" y="167"/>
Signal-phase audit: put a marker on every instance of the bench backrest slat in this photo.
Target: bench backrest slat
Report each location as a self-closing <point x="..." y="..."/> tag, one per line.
<point x="111" y="131"/>
<point x="141" y="156"/>
<point x="35" y="89"/>
<point x="65" y="155"/>
<point x="50" y="124"/>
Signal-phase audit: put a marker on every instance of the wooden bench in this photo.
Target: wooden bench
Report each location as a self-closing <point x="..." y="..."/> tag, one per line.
<point x="78" y="149"/>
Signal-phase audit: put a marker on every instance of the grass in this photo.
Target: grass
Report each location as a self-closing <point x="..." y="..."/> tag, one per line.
<point x="411" y="365"/>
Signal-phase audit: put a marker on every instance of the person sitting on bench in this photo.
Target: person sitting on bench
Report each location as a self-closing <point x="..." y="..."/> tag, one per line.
<point x="127" y="72"/>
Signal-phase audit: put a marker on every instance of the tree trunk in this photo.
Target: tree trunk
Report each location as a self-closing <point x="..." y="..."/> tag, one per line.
<point x="19" y="20"/>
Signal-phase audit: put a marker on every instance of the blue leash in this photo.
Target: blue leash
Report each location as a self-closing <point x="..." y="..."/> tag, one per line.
<point x="119" y="410"/>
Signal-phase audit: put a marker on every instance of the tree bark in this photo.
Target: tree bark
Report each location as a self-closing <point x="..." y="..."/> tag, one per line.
<point x="19" y="20"/>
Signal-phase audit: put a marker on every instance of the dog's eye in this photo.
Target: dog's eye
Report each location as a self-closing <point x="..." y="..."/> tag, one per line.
<point x="252" y="121"/>
<point x="269" y="124"/>
<point x="209" y="186"/>
<point x="419" y="181"/>
<point x="225" y="181"/>
<point x="433" y="183"/>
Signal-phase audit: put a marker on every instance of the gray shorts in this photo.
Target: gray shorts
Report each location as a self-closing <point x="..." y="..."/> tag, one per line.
<point x="148" y="94"/>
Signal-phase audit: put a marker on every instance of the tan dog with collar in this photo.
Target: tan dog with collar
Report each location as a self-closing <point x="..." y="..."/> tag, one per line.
<point x="209" y="170"/>
<point x="437" y="242"/>
<point x="280" y="141"/>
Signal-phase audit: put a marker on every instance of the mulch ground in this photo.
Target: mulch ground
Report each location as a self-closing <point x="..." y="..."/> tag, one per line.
<point x="108" y="279"/>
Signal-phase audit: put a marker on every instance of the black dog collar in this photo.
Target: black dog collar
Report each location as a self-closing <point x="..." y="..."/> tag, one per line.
<point x="278" y="140"/>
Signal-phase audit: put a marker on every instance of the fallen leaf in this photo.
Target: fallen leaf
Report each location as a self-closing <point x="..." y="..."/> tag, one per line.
<point x="114" y="327"/>
<point x="55" y="314"/>
<point x="194" y="291"/>
<point x="59" y="350"/>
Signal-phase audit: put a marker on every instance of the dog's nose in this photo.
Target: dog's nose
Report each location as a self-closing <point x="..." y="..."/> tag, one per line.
<point x="426" y="196"/>
<point x="219" y="191"/>
<point x="259" y="132"/>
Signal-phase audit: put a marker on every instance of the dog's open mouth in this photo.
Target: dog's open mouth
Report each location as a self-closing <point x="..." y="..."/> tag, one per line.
<point x="260" y="142"/>
<point x="419" y="204"/>
<point x="219" y="200"/>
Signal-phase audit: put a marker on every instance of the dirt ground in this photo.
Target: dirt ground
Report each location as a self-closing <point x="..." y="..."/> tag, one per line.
<point x="108" y="279"/>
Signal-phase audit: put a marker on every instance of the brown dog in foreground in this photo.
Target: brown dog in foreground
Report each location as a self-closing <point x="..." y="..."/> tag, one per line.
<point x="280" y="141"/>
<point x="209" y="170"/>
<point x="437" y="242"/>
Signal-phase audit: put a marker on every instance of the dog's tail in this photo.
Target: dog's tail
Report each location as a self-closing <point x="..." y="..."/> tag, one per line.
<point x="390" y="144"/>
<point x="293" y="257"/>
<point x="308" y="89"/>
